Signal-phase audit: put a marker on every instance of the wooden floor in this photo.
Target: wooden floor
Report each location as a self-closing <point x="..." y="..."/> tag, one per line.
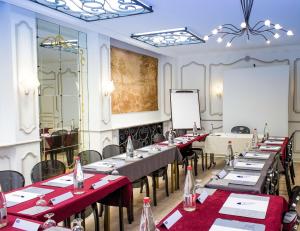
<point x="166" y="204"/>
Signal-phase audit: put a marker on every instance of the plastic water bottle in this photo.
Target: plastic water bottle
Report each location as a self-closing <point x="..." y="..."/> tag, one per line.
<point x="3" y="209"/>
<point x="189" y="195"/>
<point x="230" y="155"/>
<point x="266" y="132"/>
<point x="147" y="221"/>
<point x="195" y="129"/>
<point x="78" y="177"/>
<point x="129" y="147"/>
<point x="171" y="137"/>
<point x="254" y="138"/>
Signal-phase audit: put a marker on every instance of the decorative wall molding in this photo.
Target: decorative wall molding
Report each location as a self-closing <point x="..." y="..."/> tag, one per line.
<point x="296" y="82"/>
<point x="248" y="61"/>
<point x="295" y="139"/>
<point x="167" y="85"/>
<point x="48" y="73"/>
<point x="202" y="88"/>
<point x="106" y="141"/>
<point x="25" y="64"/>
<point x="5" y="159"/>
<point x="106" y="100"/>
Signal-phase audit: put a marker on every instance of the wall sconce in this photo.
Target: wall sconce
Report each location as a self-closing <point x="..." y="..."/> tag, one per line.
<point x="108" y="88"/>
<point x="28" y="85"/>
<point x="219" y="91"/>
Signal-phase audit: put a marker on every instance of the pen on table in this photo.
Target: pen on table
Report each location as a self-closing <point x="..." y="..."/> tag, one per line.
<point x="17" y="195"/>
<point x="244" y="203"/>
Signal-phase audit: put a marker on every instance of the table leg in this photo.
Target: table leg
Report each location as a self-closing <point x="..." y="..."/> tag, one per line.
<point x="176" y="175"/>
<point x="206" y="161"/>
<point x="96" y="216"/>
<point x="172" y="177"/>
<point x="121" y="223"/>
<point x="211" y="160"/>
<point x="106" y="218"/>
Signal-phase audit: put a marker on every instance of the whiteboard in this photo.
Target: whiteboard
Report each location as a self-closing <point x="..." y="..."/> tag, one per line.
<point x="185" y="108"/>
<point x="253" y="96"/>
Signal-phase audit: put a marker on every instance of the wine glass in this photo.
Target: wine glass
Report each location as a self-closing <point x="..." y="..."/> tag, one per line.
<point x="49" y="222"/>
<point x="115" y="171"/>
<point x="41" y="201"/>
<point x="198" y="184"/>
<point x="77" y="225"/>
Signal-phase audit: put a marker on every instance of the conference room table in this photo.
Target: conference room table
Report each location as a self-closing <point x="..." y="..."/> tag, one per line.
<point x="119" y="188"/>
<point x="206" y="213"/>
<point x="146" y="160"/>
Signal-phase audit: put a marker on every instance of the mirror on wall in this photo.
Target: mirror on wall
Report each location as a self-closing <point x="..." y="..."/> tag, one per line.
<point x="62" y="72"/>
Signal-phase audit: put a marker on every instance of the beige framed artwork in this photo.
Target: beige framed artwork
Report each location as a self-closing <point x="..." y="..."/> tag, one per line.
<point x="135" y="80"/>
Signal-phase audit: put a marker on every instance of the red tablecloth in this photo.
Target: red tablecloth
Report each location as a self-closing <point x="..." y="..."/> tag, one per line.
<point x="78" y="202"/>
<point x="192" y="139"/>
<point x="206" y="213"/>
<point x="11" y="220"/>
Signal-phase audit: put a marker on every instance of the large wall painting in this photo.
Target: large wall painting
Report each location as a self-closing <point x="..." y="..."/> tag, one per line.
<point x="135" y="80"/>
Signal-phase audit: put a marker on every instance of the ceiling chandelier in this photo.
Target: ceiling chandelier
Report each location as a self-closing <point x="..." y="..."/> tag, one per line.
<point x="92" y="10"/>
<point x="263" y="29"/>
<point x="165" y="38"/>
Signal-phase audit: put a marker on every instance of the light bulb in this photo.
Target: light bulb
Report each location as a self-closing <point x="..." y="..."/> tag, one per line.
<point x="228" y="44"/>
<point x="268" y="42"/>
<point x="243" y="25"/>
<point x="277" y="27"/>
<point x="268" y="23"/>
<point x="289" y="33"/>
<point x="219" y="27"/>
<point x="205" y="38"/>
<point x="214" y="31"/>
<point x="219" y="40"/>
<point x="276" y="36"/>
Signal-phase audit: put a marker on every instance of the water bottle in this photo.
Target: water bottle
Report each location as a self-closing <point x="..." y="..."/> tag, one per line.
<point x="195" y="129"/>
<point x="147" y="221"/>
<point x="230" y="155"/>
<point x="129" y="148"/>
<point x="3" y="210"/>
<point x="266" y="132"/>
<point x="78" y="177"/>
<point x="189" y="194"/>
<point x="171" y="137"/>
<point x="254" y="138"/>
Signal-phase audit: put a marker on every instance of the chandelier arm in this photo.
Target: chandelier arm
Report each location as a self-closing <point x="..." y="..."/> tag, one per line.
<point x="258" y="24"/>
<point x="258" y="34"/>
<point x="262" y="31"/>
<point x="234" y="34"/>
<point x="230" y="25"/>
<point x="228" y="30"/>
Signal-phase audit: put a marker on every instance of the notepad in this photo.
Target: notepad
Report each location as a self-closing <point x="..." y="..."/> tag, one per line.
<point x="243" y="178"/>
<point x="276" y="138"/>
<point x="270" y="148"/>
<point x="249" y="165"/>
<point x="256" y="155"/>
<point x="64" y="181"/>
<point x="35" y="210"/>
<point x="273" y="142"/>
<point x="246" y="205"/>
<point x="232" y="225"/>
<point x="18" y="197"/>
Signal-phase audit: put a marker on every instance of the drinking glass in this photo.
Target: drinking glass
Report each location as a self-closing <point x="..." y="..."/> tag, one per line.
<point x="41" y="201"/>
<point x="77" y="225"/>
<point x="49" y="222"/>
<point x="115" y="171"/>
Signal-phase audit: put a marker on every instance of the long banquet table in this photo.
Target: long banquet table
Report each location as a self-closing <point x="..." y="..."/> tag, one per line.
<point x="206" y="213"/>
<point x="77" y="203"/>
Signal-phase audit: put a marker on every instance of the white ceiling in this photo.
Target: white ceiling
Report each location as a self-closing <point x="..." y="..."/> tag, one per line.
<point x="200" y="16"/>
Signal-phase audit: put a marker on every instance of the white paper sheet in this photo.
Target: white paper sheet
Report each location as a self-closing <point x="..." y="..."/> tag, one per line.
<point x="18" y="197"/>
<point x="232" y="225"/>
<point x="241" y="177"/>
<point x="254" y="155"/>
<point x="270" y="148"/>
<point x="276" y="138"/>
<point x="244" y="164"/>
<point x="273" y="142"/>
<point x="35" y="210"/>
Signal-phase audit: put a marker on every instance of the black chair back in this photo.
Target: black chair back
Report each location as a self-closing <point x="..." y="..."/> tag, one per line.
<point x="240" y="130"/>
<point x="47" y="169"/>
<point x="157" y="138"/>
<point x="10" y="180"/>
<point x="111" y="150"/>
<point x="137" y="144"/>
<point x="181" y="132"/>
<point x="59" y="138"/>
<point x="89" y="156"/>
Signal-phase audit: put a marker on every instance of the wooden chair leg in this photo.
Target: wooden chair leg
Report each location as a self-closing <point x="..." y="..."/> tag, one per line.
<point x="141" y="188"/>
<point x="287" y="181"/>
<point x="292" y="172"/>
<point x="147" y="187"/>
<point x="67" y="222"/>
<point x="195" y="164"/>
<point x="202" y="160"/>
<point x="101" y="210"/>
<point x="166" y="183"/>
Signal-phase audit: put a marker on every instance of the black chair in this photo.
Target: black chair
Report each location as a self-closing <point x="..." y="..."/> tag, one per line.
<point x="47" y="169"/>
<point x="291" y="218"/>
<point x="58" y="143"/>
<point x="89" y="156"/>
<point x="10" y="180"/>
<point x="71" y="143"/>
<point x="111" y="150"/>
<point x="289" y="171"/>
<point x="240" y="130"/>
